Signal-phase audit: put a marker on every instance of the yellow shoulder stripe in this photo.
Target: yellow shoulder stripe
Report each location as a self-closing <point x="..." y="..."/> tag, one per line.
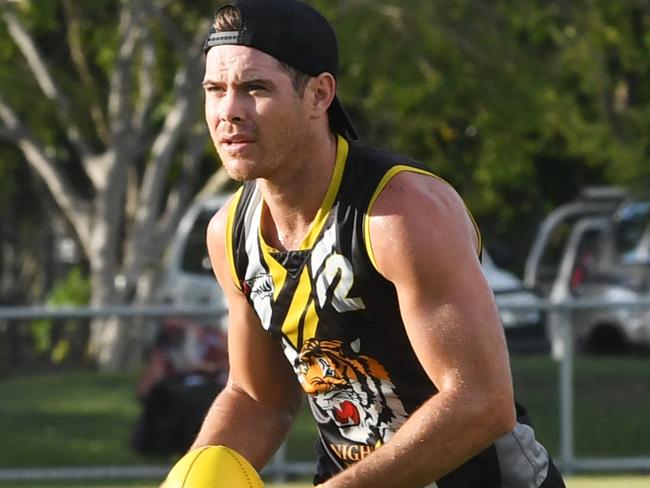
<point x="333" y="188"/>
<point x="382" y="184"/>
<point x="230" y="252"/>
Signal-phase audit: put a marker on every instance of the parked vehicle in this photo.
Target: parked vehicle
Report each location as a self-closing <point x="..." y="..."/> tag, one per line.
<point x="597" y="250"/>
<point x="523" y="320"/>
<point x="187" y="278"/>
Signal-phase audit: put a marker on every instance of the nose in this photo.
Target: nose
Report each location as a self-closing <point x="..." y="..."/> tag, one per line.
<point x="231" y="107"/>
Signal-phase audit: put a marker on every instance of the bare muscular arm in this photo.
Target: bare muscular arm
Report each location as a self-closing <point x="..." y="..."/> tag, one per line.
<point x="424" y="242"/>
<point x="255" y="410"/>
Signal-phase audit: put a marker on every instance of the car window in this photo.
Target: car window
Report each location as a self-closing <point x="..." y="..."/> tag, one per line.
<point x="195" y="255"/>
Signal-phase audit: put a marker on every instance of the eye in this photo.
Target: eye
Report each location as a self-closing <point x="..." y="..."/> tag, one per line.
<point x="212" y="88"/>
<point x="254" y="87"/>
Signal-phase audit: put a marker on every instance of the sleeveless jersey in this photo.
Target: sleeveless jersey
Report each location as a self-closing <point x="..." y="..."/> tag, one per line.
<point x="339" y="324"/>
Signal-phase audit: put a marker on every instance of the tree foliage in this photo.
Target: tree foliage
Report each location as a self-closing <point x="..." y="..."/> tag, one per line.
<point x="518" y="104"/>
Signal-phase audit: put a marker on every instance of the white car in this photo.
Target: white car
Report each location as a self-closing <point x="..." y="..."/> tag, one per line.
<point x="522" y="318"/>
<point x="187" y="278"/>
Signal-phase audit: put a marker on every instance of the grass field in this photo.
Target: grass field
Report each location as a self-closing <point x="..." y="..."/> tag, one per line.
<point x="612" y="401"/>
<point x="623" y="481"/>
<point x="85" y="418"/>
<point x="573" y="482"/>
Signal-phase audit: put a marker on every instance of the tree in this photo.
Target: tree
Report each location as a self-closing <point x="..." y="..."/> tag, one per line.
<point x="104" y="105"/>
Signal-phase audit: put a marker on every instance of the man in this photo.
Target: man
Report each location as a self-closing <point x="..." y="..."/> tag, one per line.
<point x="355" y="270"/>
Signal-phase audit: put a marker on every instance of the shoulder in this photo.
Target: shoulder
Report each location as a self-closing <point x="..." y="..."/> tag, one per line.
<point x="216" y="230"/>
<point x="418" y="218"/>
<point x="412" y="198"/>
<point x="410" y="189"/>
<point x="229" y="215"/>
<point x="218" y="240"/>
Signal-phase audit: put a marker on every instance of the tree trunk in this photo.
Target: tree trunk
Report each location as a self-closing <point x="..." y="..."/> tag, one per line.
<point x="141" y="155"/>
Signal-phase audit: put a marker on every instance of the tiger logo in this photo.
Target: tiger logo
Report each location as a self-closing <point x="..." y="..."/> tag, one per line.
<point x="350" y="389"/>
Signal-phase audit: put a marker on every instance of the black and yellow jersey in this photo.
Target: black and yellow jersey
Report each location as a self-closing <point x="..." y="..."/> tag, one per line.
<point x="339" y="323"/>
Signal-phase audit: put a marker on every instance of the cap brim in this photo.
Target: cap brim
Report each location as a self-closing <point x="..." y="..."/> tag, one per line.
<point x="339" y="120"/>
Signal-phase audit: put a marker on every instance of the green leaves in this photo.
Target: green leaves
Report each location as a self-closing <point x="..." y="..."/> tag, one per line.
<point x="502" y="98"/>
<point x="519" y="104"/>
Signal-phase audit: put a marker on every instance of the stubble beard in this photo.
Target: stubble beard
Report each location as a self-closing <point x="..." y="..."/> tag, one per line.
<point x="239" y="167"/>
<point x="268" y="163"/>
<point x="239" y="170"/>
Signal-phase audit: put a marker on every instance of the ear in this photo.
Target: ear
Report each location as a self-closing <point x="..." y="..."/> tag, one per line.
<point x="322" y="89"/>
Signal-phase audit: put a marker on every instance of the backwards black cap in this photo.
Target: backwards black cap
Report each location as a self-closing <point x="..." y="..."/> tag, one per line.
<point x="293" y="33"/>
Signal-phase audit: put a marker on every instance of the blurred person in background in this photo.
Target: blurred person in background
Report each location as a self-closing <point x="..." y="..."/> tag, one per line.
<point x="186" y="367"/>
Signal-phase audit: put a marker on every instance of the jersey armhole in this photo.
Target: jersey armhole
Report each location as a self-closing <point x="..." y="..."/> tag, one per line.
<point x="382" y="184"/>
<point x="230" y="251"/>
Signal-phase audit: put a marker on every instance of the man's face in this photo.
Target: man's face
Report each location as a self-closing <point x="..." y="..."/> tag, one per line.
<point x="255" y="117"/>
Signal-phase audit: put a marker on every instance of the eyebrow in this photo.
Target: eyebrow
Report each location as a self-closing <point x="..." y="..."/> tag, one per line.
<point x="263" y="81"/>
<point x="209" y="81"/>
<point x="258" y="81"/>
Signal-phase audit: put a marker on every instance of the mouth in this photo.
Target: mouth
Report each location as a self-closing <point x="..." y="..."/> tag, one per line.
<point x="235" y="142"/>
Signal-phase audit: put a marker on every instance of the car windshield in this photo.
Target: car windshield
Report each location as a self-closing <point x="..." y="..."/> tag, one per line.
<point x="633" y="233"/>
<point x="195" y="255"/>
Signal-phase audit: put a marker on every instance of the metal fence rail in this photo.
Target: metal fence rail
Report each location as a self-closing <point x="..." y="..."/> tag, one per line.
<point x="559" y="313"/>
<point x="130" y="311"/>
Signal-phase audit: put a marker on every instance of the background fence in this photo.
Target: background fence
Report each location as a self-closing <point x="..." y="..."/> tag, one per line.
<point x="541" y="379"/>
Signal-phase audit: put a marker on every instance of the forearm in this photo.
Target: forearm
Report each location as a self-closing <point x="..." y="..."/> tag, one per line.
<point x="252" y="428"/>
<point x="437" y="438"/>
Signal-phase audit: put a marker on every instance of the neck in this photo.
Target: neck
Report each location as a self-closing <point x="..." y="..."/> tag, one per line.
<point x="293" y="200"/>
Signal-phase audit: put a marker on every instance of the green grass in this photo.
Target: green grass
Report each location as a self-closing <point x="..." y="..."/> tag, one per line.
<point x="80" y="418"/>
<point x="572" y="482"/>
<point x="612" y="400"/>
<point x="85" y="418"/>
<point x="583" y="481"/>
<point x="625" y="481"/>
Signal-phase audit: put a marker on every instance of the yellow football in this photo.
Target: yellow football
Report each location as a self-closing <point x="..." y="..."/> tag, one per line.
<point x="213" y="467"/>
